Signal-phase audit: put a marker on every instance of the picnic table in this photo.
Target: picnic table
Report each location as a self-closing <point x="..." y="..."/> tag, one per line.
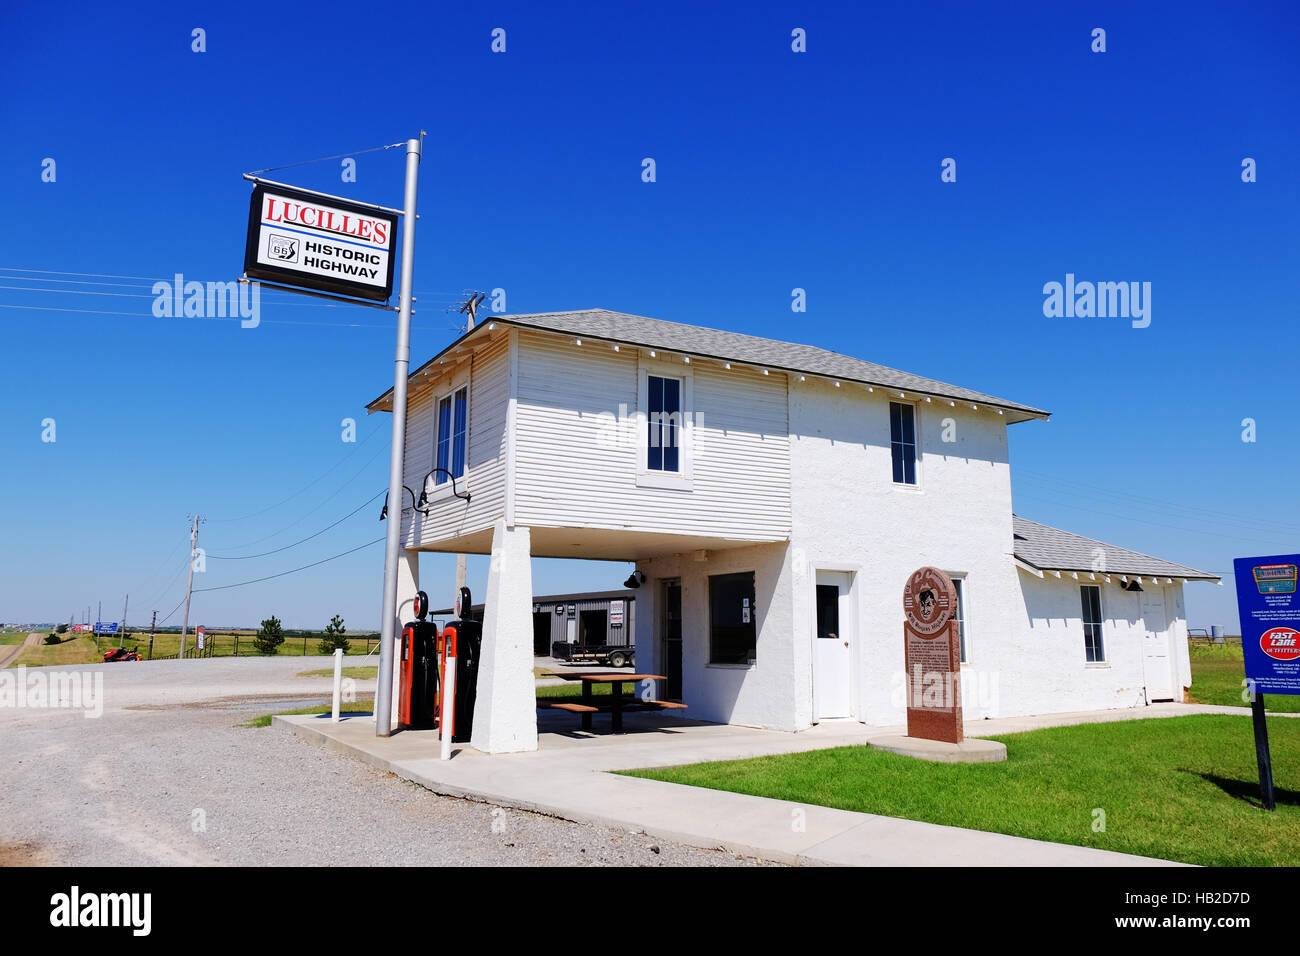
<point x="618" y="704"/>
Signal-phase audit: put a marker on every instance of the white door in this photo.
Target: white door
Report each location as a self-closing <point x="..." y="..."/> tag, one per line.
<point x="1156" y="664"/>
<point x="571" y="630"/>
<point x="832" y="646"/>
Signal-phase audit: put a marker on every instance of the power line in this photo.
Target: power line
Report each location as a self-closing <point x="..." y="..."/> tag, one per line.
<point x="111" y="275"/>
<point x="225" y="587"/>
<point x="1189" y="510"/>
<point x="323" y="475"/>
<point x="245" y="557"/>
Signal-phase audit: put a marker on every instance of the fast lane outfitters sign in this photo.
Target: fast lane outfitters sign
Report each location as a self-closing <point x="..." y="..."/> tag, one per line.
<point x="329" y="245"/>
<point x="1270" y="642"/>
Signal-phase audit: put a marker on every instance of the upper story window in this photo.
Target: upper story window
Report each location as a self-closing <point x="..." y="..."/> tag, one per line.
<point x="902" y="441"/>
<point x="453" y="423"/>
<point x="1094" y="647"/>
<point x="663" y="423"/>
<point x="665" y="391"/>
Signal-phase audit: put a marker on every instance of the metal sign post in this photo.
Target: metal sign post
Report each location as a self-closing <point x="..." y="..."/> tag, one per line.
<point x="1268" y="605"/>
<point x="402" y="362"/>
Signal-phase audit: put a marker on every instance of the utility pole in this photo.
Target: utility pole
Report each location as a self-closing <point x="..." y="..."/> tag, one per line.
<point x="121" y="631"/>
<point x="189" y="588"/>
<point x="401" y="369"/>
<point x="470" y="310"/>
<point x="153" y="624"/>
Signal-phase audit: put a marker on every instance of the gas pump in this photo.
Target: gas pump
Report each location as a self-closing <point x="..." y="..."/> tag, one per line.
<point x="462" y="640"/>
<point x="418" y="695"/>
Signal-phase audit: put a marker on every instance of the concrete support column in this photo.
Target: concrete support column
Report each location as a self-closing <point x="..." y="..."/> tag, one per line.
<point x="408" y="583"/>
<point x="505" y="713"/>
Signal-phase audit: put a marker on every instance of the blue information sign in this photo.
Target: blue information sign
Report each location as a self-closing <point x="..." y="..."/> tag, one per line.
<point x="1269" y="606"/>
<point x="106" y="628"/>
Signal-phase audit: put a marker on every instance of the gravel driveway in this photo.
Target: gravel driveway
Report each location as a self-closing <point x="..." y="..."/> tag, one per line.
<point x="167" y="775"/>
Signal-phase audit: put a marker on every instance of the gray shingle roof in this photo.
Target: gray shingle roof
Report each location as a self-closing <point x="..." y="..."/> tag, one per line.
<point x="703" y="342"/>
<point x="1049" y="548"/>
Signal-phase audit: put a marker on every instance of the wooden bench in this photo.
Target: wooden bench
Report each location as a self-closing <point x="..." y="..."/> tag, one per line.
<point x="572" y="708"/>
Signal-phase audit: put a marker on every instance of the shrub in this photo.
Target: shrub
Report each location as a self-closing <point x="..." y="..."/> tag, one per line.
<point x="269" y="636"/>
<point x="51" y="639"/>
<point x="333" y="637"/>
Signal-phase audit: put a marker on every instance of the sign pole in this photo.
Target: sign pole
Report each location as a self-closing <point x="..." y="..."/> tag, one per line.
<point x="1262" y="756"/>
<point x="402" y="362"/>
<point x="1268" y="606"/>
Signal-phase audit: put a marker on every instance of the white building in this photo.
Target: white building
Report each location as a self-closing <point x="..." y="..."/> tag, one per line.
<point x="776" y="497"/>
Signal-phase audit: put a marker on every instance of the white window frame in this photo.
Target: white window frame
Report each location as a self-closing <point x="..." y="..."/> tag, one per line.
<point x="647" y="477"/>
<point x="1104" y="660"/>
<point x="962" y="580"/>
<point x="433" y="490"/>
<point x="916" y="434"/>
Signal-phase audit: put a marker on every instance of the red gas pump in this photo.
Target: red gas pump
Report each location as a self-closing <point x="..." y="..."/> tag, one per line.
<point x="461" y="642"/>
<point x="418" y="674"/>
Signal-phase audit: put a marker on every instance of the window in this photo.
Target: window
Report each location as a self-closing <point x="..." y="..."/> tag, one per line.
<point x="453" y="418"/>
<point x="1094" y="648"/>
<point x="732" y="629"/>
<point x="828" y="611"/>
<point x="960" y="614"/>
<point x="902" y="441"/>
<point x="664" y="423"/>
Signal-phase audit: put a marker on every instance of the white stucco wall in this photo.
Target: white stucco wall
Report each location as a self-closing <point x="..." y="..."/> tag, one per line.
<point x="848" y="514"/>
<point x="1025" y="645"/>
<point x="760" y="695"/>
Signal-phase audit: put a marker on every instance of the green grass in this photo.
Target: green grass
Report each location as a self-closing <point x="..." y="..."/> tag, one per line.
<point x="168" y="645"/>
<point x="574" y="689"/>
<point x="1217" y="678"/>
<point x="1181" y="788"/>
<point x="72" y="649"/>
<point x="15" y="637"/>
<point x="357" y="673"/>
<point x="358" y="707"/>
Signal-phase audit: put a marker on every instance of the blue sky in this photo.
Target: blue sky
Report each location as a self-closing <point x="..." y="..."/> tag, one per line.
<point x="775" y="170"/>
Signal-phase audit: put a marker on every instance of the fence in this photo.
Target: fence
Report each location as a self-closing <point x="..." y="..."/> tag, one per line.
<point x="242" y="645"/>
<point x="1202" y="636"/>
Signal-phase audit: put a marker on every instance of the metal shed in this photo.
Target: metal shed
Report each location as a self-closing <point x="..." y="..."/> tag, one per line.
<point x="587" y="618"/>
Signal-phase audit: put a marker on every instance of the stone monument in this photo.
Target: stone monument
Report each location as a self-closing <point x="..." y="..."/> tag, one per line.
<point x="932" y="649"/>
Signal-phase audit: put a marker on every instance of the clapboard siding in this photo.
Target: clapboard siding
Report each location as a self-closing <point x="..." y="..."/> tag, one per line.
<point x="485" y="479"/>
<point x="576" y="468"/>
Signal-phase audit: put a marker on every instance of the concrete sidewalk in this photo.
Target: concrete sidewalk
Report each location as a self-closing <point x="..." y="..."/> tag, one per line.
<point x="568" y="777"/>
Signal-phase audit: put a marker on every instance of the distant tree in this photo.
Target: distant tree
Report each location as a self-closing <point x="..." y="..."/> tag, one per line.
<point x="333" y="637"/>
<point x="269" y="637"/>
<point x="61" y="629"/>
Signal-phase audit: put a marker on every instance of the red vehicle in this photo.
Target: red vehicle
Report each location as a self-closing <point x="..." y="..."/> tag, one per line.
<point x="120" y="654"/>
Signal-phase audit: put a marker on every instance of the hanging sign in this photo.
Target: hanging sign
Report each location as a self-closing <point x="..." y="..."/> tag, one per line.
<point x="330" y="245"/>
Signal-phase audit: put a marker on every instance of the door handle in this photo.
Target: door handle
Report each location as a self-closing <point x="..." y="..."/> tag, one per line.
<point x="846" y="643"/>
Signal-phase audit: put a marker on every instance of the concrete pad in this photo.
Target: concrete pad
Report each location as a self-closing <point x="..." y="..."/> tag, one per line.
<point x="568" y="777"/>
<point x="970" y="750"/>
